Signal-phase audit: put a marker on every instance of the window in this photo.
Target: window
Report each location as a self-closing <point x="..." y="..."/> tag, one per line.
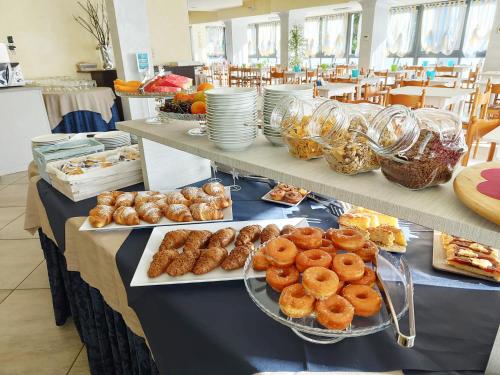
<point x="401" y="35"/>
<point x="216" y="46"/>
<point x="263" y="41"/>
<point x="208" y="42"/>
<point x="478" y="27"/>
<point x="312" y="32"/>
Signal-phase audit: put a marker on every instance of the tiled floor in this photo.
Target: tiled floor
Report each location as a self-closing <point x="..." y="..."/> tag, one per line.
<point x="30" y="342"/>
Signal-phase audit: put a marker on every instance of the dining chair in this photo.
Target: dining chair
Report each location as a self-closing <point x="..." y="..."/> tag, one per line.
<point x="374" y="93"/>
<point x="384" y="74"/>
<point x="207" y="72"/>
<point x="340" y="70"/>
<point x="309" y="77"/>
<point x="471" y="78"/>
<point x="234" y="75"/>
<point x="478" y="129"/>
<point x="446" y="71"/>
<point x="411" y="101"/>
<point x="414" y="82"/>
<point x="478" y="110"/>
<point x="277" y="76"/>
<point x="419" y="70"/>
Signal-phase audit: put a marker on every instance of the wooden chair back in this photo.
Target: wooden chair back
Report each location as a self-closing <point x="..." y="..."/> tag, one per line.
<point x="340" y="70"/>
<point x="414" y="82"/>
<point x="384" y="74"/>
<point x="279" y="76"/>
<point x="419" y="70"/>
<point x="478" y="129"/>
<point x="373" y="93"/>
<point x="480" y="102"/>
<point x="472" y="77"/>
<point x="411" y="101"/>
<point x="495" y="91"/>
<point x="446" y="71"/>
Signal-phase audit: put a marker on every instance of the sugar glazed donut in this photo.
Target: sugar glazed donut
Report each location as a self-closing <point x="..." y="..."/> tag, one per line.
<point x="367" y="252"/>
<point x="348" y="266"/>
<point x="368" y="278"/>
<point x="320" y="282"/>
<point x="366" y="301"/>
<point x="347" y="239"/>
<point x="280" y="252"/>
<point x="335" y="312"/>
<point x="295" y="302"/>
<point x="307" y="238"/>
<point x="312" y="258"/>
<point x="327" y="245"/>
<point x="259" y="261"/>
<point x="280" y="278"/>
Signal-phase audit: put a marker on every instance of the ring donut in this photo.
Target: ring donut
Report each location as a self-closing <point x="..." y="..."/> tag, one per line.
<point x="280" y="252"/>
<point x="368" y="251"/>
<point x="312" y="258"/>
<point x="348" y="266"/>
<point x="259" y="261"/>
<point x="295" y="302"/>
<point x="335" y="312"/>
<point x="368" y="278"/>
<point x="366" y="301"/>
<point x="327" y="245"/>
<point x="280" y="278"/>
<point x="277" y="194"/>
<point x="347" y="239"/>
<point x="320" y="282"/>
<point x="293" y="197"/>
<point x="307" y="238"/>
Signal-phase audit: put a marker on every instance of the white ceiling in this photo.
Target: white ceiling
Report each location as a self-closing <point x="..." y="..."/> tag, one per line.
<point x="210" y="5"/>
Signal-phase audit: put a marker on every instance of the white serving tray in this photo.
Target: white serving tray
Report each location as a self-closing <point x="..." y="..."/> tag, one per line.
<point x="439" y="260"/>
<point x="228" y="216"/>
<point x="267" y="198"/>
<point x="141" y="278"/>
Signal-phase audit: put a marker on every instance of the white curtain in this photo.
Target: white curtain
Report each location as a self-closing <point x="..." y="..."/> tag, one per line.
<point x="311" y="36"/>
<point x="267" y="39"/>
<point x="478" y="26"/>
<point x="401" y="30"/>
<point x="334" y="35"/>
<point x="252" y="40"/>
<point x="215" y="40"/>
<point x="442" y="26"/>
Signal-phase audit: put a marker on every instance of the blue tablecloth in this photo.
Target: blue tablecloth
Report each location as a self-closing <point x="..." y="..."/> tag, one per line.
<point x="87" y="121"/>
<point x="216" y="328"/>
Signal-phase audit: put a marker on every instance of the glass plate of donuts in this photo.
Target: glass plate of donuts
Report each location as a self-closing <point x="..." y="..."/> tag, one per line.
<point x="396" y="277"/>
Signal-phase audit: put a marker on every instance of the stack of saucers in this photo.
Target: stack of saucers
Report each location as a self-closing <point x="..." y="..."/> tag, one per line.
<point x="113" y="139"/>
<point x="272" y="96"/>
<point x="48" y="139"/>
<point x="232" y="117"/>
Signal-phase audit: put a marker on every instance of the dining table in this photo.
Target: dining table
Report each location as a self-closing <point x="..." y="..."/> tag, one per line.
<point x="327" y="90"/>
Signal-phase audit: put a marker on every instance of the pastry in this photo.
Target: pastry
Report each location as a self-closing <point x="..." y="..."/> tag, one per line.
<point x="269" y="232"/>
<point x="143" y="196"/>
<point x="382" y="235"/>
<point x="220" y="202"/>
<point x="182" y="264"/>
<point x="287" y="229"/>
<point x="190" y="192"/>
<point x="175" y="239"/>
<point x="149" y="212"/>
<point x="277" y="194"/>
<point x="209" y="259"/>
<point x="101" y="215"/>
<point x="125" y="199"/>
<point x="107" y="198"/>
<point x="356" y="220"/>
<point x="214" y="188"/>
<point x="204" y="211"/>
<point x="293" y="197"/>
<point x="177" y="212"/>
<point x="222" y="237"/>
<point x="248" y="234"/>
<point x="125" y="215"/>
<point x="176" y="197"/>
<point x="237" y="257"/>
<point x="197" y="239"/>
<point x="160" y="262"/>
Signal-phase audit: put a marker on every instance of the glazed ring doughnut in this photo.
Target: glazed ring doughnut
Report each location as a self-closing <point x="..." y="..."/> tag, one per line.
<point x="368" y="278"/>
<point x="259" y="261"/>
<point x="347" y="239"/>
<point x="341" y="285"/>
<point x="348" y="266"/>
<point x="280" y="252"/>
<point x="279" y="278"/>
<point x="285" y="187"/>
<point x="295" y="303"/>
<point x="368" y="251"/>
<point x="366" y="301"/>
<point x="327" y="245"/>
<point x="293" y="197"/>
<point x="307" y="238"/>
<point x="277" y="194"/>
<point x="320" y="282"/>
<point x="312" y="258"/>
<point x="335" y="312"/>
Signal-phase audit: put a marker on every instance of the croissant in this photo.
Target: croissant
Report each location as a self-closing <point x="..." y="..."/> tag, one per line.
<point x="204" y="211"/>
<point x="176" y="197"/>
<point x="209" y="260"/>
<point x="182" y="264"/>
<point x="161" y="203"/>
<point x="191" y="192"/>
<point x="142" y="197"/>
<point x="156" y="197"/>
<point x="177" y="212"/>
<point x="222" y="237"/>
<point x="248" y="234"/>
<point x="197" y="239"/>
<point x="269" y="232"/>
<point x="214" y="188"/>
<point x="287" y="229"/>
<point x="237" y="257"/>
<point x="101" y="215"/>
<point x="149" y="212"/>
<point x="106" y="198"/>
<point x="160" y="262"/>
<point x="125" y="199"/>
<point x="124" y="215"/>
<point x="174" y="239"/>
<point x="219" y="202"/>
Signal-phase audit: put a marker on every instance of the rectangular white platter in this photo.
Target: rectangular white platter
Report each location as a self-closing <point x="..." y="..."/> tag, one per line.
<point x="228" y="216"/>
<point x="267" y="197"/>
<point x="439" y="260"/>
<point x="141" y="278"/>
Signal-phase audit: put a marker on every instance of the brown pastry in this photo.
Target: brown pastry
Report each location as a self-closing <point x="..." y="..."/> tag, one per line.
<point x="143" y="197"/>
<point x="204" y="211"/>
<point x="191" y="192"/>
<point x="177" y="212"/>
<point x="108" y="198"/>
<point x="101" y="215"/>
<point x="197" y="239"/>
<point x="149" y="212"/>
<point x="293" y="197"/>
<point x="237" y="257"/>
<point x="222" y="237"/>
<point x="287" y="229"/>
<point x="209" y="259"/>
<point x="175" y="239"/>
<point x="269" y="232"/>
<point x="277" y="194"/>
<point x="248" y="234"/>
<point x="161" y="203"/>
<point x="214" y="188"/>
<point x="125" y="199"/>
<point x="218" y="202"/>
<point x="125" y="215"/>
<point x="160" y="262"/>
<point x="176" y="197"/>
<point x="182" y="264"/>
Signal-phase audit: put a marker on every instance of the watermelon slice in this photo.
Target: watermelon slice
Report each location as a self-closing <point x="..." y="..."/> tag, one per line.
<point x="175" y="80"/>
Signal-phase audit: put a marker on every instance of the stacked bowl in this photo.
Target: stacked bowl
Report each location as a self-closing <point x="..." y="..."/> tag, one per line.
<point x="113" y="139"/>
<point x="272" y="96"/>
<point x="231" y="117"/>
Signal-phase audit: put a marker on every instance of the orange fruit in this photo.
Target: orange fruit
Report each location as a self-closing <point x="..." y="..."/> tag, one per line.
<point x="205" y="86"/>
<point x="199" y="97"/>
<point x="181" y="97"/>
<point x="198" y="108"/>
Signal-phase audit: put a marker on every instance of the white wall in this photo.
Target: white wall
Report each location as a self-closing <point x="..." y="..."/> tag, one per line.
<point x="372" y="47"/>
<point x="236" y="41"/>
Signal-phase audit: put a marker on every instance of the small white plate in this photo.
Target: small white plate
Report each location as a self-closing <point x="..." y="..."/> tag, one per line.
<point x="229" y="91"/>
<point x="267" y="197"/>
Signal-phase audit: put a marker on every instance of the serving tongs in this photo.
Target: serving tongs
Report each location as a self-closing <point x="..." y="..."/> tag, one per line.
<point x="406" y="341"/>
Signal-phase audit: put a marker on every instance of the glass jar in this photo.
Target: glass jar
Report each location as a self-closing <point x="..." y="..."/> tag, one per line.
<point x="417" y="149"/>
<point x="341" y="130"/>
<point x="292" y="115"/>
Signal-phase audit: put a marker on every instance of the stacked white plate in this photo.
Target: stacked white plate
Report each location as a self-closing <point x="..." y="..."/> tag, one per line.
<point x="113" y="139"/>
<point x="49" y="139"/>
<point x="232" y="117"/>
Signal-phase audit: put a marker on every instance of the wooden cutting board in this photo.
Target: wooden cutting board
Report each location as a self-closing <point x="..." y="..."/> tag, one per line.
<point x="478" y="187"/>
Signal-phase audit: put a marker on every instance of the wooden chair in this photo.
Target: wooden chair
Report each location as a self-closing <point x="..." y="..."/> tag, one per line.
<point x="472" y="78"/>
<point x="234" y="76"/>
<point x="340" y="70"/>
<point x="419" y="70"/>
<point x="478" y="110"/>
<point x="384" y="74"/>
<point x="374" y="93"/>
<point x="495" y="92"/>
<point x="279" y="76"/>
<point x="208" y="73"/>
<point x="309" y="76"/>
<point x="414" y="82"/>
<point x="446" y="71"/>
<point x="478" y="129"/>
<point x="412" y="101"/>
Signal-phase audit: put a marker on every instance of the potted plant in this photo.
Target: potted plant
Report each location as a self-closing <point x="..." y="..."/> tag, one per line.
<point x="296" y="44"/>
<point x="97" y="25"/>
<point x="395" y="64"/>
